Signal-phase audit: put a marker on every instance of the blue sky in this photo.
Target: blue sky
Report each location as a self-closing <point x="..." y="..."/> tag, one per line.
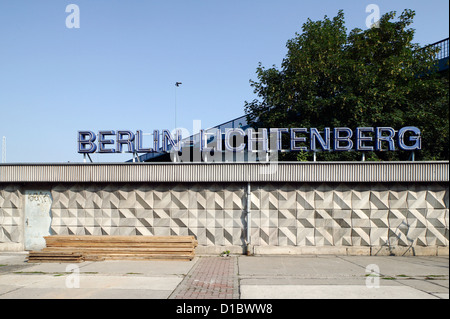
<point x="118" y="70"/>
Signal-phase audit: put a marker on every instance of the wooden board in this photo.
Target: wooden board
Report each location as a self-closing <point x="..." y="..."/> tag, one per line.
<point x="95" y="248"/>
<point x="52" y="256"/>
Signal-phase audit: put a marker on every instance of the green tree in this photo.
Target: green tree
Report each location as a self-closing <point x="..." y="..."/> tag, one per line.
<point x="376" y="77"/>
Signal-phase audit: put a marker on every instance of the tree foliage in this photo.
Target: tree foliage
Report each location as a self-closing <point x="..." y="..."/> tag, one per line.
<point x="374" y="77"/>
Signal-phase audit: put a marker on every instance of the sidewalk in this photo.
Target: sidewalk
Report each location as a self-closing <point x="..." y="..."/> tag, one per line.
<point x="236" y="277"/>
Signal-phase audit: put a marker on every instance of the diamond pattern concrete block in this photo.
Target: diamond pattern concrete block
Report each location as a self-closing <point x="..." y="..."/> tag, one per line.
<point x="201" y="218"/>
<point x="210" y="219"/>
<point x="215" y="200"/>
<point x="305" y="197"/>
<point x="162" y="199"/>
<point x="192" y="218"/>
<point x="264" y="219"/>
<point x="10" y="233"/>
<point x="343" y="218"/>
<point x="287" y="196"/>
<point x="306" y="218"/>
<point x="446" y="218"/>
<point x="273" y="219"/>
<point x="144" y="200"/>
<point x="269" y="197"/>
<point x="305" y="237"/>
<point x="133" y="222"/>
<point x="256" y="218"/>
<point x="360" y="198"/>
<point x="106" y="222"/>
<point x="60" y="200"/>
<point x="11" y="199"/>
<point x="360" y="218"/>
<point x="273" y="236"/>
<point x="437" y="231"/>
<point x="239" y="219"/>
<point x="139" y="213"/>
<point x="219" y="200"/>
<point x="142" y="231"/>
<point x="437" y="237"/>
<point x="218" y="236"/>
<point x="228" y="218"/>
<point x="287" y="218"/>
<point x="180" y="197"/>
<point x="268" y="236"/>
<point x="323" y="236"/>
<point x="287" y="236"/>
<point x="210" y="237"/>
<point x="417" y="199"/>
<point x="342" y="237"/>
<point x="4" y="236"/>
<point x="92" y="199"/>
<point x="255" y="236"/>
<point x="324" y="218"/>
<point x="342" y="198"/>
<point x="323" y="197"/>
<point x="417" y="236"/>
<point x="200" y="200"/>
<point x="320" y="214"/>
<point x="398" y="199"/>
<point x="436" y="218"/>
<point x="255" y="199"/>
<point x="379" y="236"/>
<point x="264" y="236"/>
<point x="59" y="230"/>
<point x="162" y="231"/>
<point x="436" y="199"/>
<point x="360" y="236"/>
<point x="238" y="236"/>
<point x="416" y="218"/>
<point x="379" y="219"/>
<point x="234" y="197"/>
<point x="398" y="237"/>
<point x="446" y="198"/>
<point x="110" y="200"/>
<point x="269" y="218"/>
<point x="218" y="218"/>
<point x="397" y="218"/>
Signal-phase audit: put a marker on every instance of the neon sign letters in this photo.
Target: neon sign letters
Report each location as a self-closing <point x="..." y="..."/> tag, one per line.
<point x="273" y="139"/>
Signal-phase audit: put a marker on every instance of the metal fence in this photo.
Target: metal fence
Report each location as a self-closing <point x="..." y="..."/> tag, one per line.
<point x="443" y="49"/>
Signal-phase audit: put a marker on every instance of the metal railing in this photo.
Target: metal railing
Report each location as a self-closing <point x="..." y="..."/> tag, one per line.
<point x="443" y="49"/>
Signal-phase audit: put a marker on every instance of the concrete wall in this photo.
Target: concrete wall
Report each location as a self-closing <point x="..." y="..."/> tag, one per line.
<point x="288" y="217"/>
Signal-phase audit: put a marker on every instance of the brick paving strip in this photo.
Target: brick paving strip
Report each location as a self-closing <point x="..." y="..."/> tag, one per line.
<point x="210" y="278"/>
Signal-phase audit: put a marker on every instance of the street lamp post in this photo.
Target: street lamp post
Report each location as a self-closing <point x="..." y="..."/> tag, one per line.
<point x="177" y="84"/>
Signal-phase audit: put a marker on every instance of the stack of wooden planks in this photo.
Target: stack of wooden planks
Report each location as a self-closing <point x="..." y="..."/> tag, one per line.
<point x="51" y="257"/>
<point x="96" y="248"/>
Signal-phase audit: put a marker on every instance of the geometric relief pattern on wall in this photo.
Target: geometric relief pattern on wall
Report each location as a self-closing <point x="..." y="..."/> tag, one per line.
<point x="282" y="214"/>
<point x="212" y="213"/>
<point x="350" y="214"/>
<point x="10" y="214"/>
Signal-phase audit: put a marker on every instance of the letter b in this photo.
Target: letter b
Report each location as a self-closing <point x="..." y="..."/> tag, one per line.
<point x="86" y="141"/>
<point x="373" y="276"/>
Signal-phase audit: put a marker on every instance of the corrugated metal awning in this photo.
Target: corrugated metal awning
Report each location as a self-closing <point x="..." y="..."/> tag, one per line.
<point x="227" y="172"/>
